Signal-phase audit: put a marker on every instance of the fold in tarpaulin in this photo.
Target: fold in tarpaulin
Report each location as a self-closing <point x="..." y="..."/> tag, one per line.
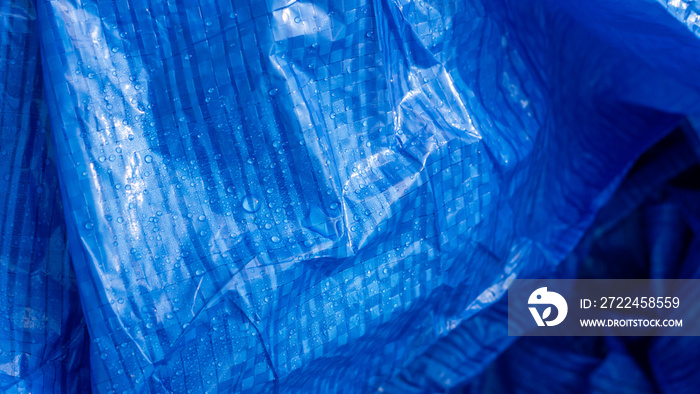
<point x="650" y="228"/>
<point x="209" y="195"/>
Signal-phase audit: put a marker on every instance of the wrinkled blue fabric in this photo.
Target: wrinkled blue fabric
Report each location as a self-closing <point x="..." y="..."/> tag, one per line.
<point x="43" y="336"/>
<point x="649" y="229"/>
<point x="254" y="196"/>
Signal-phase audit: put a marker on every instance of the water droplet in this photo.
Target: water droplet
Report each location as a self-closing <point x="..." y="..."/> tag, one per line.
<point x="230" y="189"/>
<point x="320" y="223"/>
<point x="103" y="356"/>
<point x="275" y="239"/>
<point x="250" y="203"/>
<point x="202" y="218"/>
<point x="334" y="206"/>
<point x="272" y="92"/>
<point x="89" y="225"/>
<point x="297" y="19"/>
<point x="148" y="159"/>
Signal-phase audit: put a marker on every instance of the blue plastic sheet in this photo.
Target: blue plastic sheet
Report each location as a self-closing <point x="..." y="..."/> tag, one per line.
<point x="43" y="337"/>
<point x="649" y="229"/>
<point x="321" y="196"/>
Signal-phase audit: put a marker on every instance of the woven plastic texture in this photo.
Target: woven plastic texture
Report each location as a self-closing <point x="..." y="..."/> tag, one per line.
<point x="43" y="338"/>
<point x="296" y="196"/>
<point x="649" y="229"/>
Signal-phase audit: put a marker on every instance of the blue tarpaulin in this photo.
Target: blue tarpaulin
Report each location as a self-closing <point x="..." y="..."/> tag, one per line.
<point x="326" y="196"/>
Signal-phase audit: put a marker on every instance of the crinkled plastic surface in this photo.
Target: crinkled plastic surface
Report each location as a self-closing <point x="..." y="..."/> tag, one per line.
<point x="649" y="229"/>
<point x="43" y="338"/>
<point x="315" y="196"/>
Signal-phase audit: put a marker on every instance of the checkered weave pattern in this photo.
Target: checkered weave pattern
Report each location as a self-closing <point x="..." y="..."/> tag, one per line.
<point x="43" y="337"/>
<point x="295" y="196"/>
<point x="255" y="192"/>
